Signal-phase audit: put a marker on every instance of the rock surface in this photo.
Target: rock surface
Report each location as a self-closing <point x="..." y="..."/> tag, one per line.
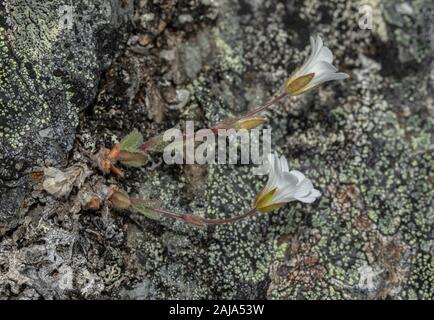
<point x="366" y="143"/>
<point x="51" y="59"/>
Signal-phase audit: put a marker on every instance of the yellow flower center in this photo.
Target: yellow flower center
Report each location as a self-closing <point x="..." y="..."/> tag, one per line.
<point x="262" y="202"/>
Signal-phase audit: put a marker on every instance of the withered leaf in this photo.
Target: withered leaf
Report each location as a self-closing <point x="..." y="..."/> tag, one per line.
<point x="60" y="183"/>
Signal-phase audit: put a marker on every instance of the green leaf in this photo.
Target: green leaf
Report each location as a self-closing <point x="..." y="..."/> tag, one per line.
<point x="132" y="141"/>
<point x="145" y="208"/>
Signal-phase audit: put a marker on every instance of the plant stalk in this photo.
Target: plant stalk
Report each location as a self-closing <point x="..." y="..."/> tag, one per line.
<point x="149" y="143"/>
<point x="199" y="221"/>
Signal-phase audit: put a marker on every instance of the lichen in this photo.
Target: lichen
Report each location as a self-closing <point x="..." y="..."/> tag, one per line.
<point x="366" y="144"/>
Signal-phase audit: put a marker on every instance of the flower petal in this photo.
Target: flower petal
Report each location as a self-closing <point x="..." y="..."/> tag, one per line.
<point x="315" y="47"/>
<point x="274" y="175"/>
<point x="327" y="77"/>
<point x="325" y="54"/>
<point x="298" y="174"/>
<point x="304" y="188"/>
<point x="319" y="44"/>
<point x="313" y="50"/>
<point x="307" y="199"/>
<point x="286" y="193"/>
<point x="279" y="171"/>
<point x="322" y="67"/>
<point x="311" y="197"/>
<point x="315" y="193"/>
<point x="284" y="164"/>
<point x="271" y="174"/>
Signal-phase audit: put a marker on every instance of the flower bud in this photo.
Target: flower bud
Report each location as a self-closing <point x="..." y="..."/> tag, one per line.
<point x="114" y="152"/>
<point x="103" y="161"/>
<point x="132" y="159"/>
<point x="249" y="123"/>
<point x="92" y="202"/>
<point x="119" y="199"/>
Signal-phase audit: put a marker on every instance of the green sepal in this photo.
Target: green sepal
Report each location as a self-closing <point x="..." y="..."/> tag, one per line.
<point x="133" y="159"/>
<point x="145" y="208"/>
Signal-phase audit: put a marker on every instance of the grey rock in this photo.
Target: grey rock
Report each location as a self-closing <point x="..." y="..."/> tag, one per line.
<point x="51" y="56"/>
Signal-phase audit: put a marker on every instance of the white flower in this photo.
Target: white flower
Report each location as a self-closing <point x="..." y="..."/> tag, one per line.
<point x="284" y="186"/>
<point x="316" y="70"/>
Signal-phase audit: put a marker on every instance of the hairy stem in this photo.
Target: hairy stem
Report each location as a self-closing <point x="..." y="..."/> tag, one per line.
<point x="199" y="221"/>
<point x="270" y="103"/>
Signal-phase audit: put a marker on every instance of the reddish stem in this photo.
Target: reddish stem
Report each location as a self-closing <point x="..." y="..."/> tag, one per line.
<point x="215" y="128"/>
